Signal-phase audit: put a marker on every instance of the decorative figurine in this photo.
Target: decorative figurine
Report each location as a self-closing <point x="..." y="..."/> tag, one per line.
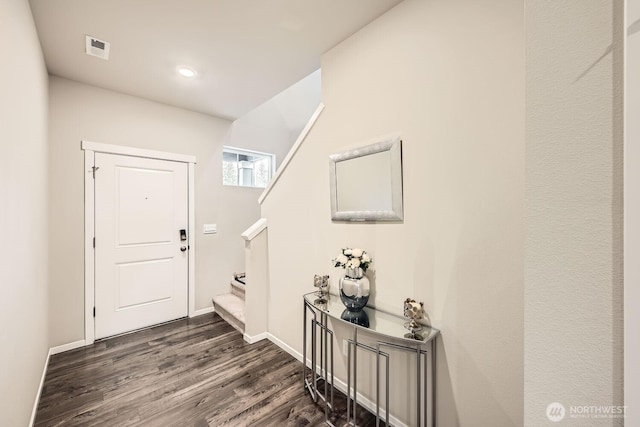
<point x="322" y="283"/>
<point x="415" y="312"/>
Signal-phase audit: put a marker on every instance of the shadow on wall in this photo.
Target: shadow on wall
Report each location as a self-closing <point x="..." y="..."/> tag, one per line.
<point x="275" y="125"/>
<point x="447" y="412"/>
<point x="468" y="318"/>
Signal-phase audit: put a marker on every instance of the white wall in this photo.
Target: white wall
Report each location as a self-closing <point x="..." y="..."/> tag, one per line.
<point x="573" y="261"/>
<point x="23" y="213"/>
<point x="448" y="78"/>
<point x="276" y="124"/>
<point x="632" y="217"/>
<point x="81" y="112"/>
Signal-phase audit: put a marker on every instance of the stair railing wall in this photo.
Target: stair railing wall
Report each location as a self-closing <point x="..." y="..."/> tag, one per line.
<point x="257" y="281"/>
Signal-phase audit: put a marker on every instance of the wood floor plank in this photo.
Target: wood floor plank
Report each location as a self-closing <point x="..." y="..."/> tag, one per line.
<point x="191" y="372"/>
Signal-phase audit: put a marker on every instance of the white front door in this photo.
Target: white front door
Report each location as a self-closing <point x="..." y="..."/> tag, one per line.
<point x="141" y="261"/>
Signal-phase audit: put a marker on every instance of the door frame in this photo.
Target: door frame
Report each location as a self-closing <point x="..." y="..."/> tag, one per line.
<point x="90" y="148"/>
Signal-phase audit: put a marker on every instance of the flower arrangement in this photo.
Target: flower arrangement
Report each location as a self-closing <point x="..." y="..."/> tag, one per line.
<point x="353" y="258"/>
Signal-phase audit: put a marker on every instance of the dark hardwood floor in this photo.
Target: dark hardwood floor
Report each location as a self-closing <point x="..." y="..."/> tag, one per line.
<point x="191" y="372"/>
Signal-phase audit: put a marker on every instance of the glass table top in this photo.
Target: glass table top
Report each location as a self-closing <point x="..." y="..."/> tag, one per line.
<point x="370" y="319"/>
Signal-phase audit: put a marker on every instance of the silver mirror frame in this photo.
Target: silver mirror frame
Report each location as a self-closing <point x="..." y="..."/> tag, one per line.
<point x="394" y="146"/>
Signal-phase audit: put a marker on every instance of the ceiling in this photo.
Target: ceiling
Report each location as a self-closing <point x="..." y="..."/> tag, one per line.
<point x="244" y="51"/>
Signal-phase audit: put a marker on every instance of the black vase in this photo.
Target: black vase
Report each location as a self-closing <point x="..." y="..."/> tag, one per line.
<point x="359" y="318"/>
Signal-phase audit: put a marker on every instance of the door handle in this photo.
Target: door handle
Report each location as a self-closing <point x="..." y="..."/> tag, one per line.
<point x="183" y="248"/>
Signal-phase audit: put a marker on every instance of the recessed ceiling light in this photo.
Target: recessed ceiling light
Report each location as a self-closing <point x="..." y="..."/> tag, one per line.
<point x="186" y="72"/>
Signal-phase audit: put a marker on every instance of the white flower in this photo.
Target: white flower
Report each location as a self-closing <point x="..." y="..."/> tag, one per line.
<point x="353" y="258"/>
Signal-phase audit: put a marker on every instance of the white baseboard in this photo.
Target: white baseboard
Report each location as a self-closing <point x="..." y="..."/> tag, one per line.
<point x="51" y="352"/>
<point x="202" y="311"/>
<point x="255" y="338"/>
<point x="39" y="392"/>
<point x="67" y="347"/>
<point x="338" y="383"/>
<point x="286" y="347"/>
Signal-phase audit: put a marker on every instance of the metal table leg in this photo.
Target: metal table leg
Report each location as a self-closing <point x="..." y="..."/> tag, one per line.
<point x="355" y="373"/>
<point x="378" y="385"/>
<point x="425" y="393"/>
<point x="304" y="346"/>
<point x="379" y="353"/>
<point x="311" y="386"/>
<point x="349" y="382"/>
<point x="326" y="368"/>
<point x="418" y="402"/>
<point x="434" y="368"/>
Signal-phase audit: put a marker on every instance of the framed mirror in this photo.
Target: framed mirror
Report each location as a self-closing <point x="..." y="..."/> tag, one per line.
<point x="366" y="183"/>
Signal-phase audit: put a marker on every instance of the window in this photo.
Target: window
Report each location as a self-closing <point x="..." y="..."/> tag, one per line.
<point x="247" y="168"/>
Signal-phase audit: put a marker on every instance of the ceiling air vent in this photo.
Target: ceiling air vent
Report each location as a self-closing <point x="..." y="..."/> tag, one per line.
<point x="97" y="47"/>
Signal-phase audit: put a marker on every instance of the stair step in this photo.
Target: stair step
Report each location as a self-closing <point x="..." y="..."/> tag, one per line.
<point x="231" y="308"/>
<point x="237" y="289"/>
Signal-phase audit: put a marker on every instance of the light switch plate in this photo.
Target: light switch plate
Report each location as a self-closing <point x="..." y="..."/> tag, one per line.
<point x="210" y="229"/>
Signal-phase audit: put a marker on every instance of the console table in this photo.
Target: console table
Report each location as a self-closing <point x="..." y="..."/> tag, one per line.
<point x="388" y="331"/>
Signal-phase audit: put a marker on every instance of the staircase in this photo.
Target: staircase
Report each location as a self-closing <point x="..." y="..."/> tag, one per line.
<point x="231" y="306"/>
<point x="249" y="314"/>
